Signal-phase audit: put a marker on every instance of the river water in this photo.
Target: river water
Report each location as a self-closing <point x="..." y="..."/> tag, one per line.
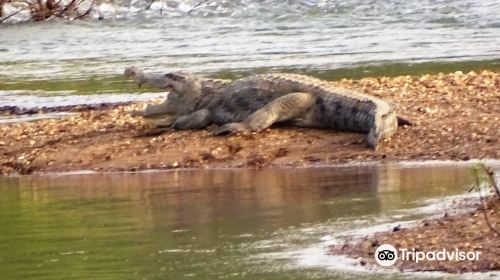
<point x="211" y="224"/>
<point x="75" y="58"/>
<point x="249" y="34"/>
<point x="221" y="224"/>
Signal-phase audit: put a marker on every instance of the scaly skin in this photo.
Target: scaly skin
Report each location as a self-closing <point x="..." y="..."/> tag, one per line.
<point x="164" y="114"/>
<point x="152" y="79"/>
<point x="256" y="102"/>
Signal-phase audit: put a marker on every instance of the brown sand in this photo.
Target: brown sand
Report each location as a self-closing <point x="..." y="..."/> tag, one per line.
<point x="455" y="116"/>
<point x="465" y="232"/>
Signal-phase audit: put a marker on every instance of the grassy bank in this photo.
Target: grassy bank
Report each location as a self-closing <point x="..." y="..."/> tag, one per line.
<point x="117" y="84"/>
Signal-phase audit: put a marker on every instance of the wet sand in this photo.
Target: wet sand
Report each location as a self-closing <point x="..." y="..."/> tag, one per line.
<point x="455" y="117"/>
<point x="467" y="232"/>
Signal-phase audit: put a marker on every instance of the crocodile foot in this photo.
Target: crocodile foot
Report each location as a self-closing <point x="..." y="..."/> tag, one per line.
<point x="231" y="128"/>
<point x="164" y="120"/>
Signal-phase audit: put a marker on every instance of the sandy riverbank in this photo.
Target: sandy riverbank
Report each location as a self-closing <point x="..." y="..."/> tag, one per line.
<point x="475" y="231"/>
<point x="455" y="116"/>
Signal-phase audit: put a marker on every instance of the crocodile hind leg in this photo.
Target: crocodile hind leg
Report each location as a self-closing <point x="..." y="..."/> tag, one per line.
<point x="281" y="109"/>
<point x="196" y="120"/>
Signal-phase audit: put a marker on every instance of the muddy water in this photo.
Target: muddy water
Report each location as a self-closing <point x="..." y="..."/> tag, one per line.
<point x="207" y="224"/>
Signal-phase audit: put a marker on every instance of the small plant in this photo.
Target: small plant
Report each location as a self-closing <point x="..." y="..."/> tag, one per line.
<point x="484" y="175"/>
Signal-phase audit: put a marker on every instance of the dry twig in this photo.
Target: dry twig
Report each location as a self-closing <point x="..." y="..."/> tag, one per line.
<point x="11" y="15"/>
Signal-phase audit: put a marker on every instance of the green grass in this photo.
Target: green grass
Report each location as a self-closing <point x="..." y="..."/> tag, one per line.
<point x="92" y="85"/>
<point x="379" y="70"/>
<point x="117" y="84"/>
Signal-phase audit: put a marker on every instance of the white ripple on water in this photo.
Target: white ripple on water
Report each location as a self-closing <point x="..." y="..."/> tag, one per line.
<point x="248" y="34"/>
<point x="38" y="99"/>
<point x="293" y="254"/>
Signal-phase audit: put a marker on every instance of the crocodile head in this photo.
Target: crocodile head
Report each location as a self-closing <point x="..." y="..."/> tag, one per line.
<point x="153" y="79"/>
<point x="178" y="81"/>
<point x="136" y="73"/>
<point x="182" y="84"/>
<point x="185" y="88"/>
<point x="131" y="71"/>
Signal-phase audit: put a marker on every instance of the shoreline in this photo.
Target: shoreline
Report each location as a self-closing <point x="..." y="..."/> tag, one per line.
<point x="465" y="231"/>
<point x="357" y="164"/>
<point x="461" y="237"/>
<point x="454" y="116"/>
<point x="18" y="111"/>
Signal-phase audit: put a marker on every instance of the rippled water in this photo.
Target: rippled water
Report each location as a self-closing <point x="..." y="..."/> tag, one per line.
<point x="239" y="35"/>
<point x="232" y="38"/>
<point x="208" y="224"/>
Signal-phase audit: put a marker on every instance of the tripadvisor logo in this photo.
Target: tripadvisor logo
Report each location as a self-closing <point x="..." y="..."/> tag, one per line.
<point x="387" y="255"/>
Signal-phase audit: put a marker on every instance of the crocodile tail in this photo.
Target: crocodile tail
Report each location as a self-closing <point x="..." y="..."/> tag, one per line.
<point x="384" y="126"/>
<point x="403" y="121"/>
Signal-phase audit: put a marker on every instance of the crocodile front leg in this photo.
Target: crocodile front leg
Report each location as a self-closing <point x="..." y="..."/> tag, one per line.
<point x="161" y="120"/>
<point x="281" y="109"/>
<point x="197" y="120"/>
<point x="160" y="115"/>
<point x="153" y="110"/>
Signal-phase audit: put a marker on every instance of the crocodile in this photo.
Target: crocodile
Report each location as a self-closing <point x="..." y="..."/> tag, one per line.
<point x="140" y="77"/>
<point x="254" y="103"/>
<point x="164" y="114"/>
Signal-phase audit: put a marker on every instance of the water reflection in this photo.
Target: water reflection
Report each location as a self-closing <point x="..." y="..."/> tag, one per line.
<point x="181" y="223"/>
<point x="202" y="196"/>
